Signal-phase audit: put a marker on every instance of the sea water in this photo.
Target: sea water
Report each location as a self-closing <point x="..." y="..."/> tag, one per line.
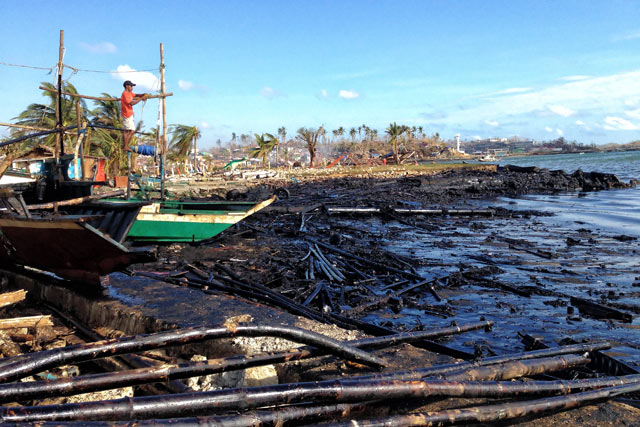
<point x="617" y="210"/>
<point x="594" y="239"/>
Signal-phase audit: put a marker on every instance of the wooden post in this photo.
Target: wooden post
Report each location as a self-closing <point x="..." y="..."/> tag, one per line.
<point x="60" y="136"/>
<point x="79" y="140"/>
<point x="164" y="124"/>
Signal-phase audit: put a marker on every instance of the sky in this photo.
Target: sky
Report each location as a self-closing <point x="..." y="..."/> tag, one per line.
<point x="536" y="69"/>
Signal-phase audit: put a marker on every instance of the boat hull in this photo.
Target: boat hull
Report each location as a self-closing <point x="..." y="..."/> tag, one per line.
<point x="68" y="247"/>
<point x="190" y="221"/>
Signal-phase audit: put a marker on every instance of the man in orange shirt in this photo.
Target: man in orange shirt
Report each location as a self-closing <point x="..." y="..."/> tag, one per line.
<point x="127" y="101"/>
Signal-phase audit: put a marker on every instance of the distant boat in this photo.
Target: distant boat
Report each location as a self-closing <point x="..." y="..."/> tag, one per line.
<point x="487" y="158"/>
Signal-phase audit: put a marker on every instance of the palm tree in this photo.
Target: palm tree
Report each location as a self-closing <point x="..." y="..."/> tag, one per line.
<point x="340" y="131"/>
<point x="282" y="133"/>
<point x="181" y="138"/>
<point x="310" y="137"/>
<point x="352" y="133"/>
<point x="43" y="116"/>
<point x="266" y="143"/>
<point x="394" y="131"/>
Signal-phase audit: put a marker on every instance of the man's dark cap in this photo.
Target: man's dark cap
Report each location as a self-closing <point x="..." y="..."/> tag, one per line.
<point x="128" y="82"/>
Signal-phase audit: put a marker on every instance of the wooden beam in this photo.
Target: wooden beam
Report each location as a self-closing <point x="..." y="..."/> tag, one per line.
<point x="77" y="200"/>
<point x="9" y="298"/>
<point x="26" y="322"/>
<point x="11" y="125"/>
<point x="97" y="98"/>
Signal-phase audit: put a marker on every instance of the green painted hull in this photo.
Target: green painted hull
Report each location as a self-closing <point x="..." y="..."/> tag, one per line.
<point x="169" y="231"/>
<point x="175" y="221"/>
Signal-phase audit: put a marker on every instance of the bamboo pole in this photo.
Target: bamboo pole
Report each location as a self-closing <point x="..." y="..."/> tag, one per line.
<point x="498" y="412"/>
<point x="26" y="322"/>
<point x="164" y="124"/>
<point x="79" y="140"/>
<point x="9" y="298"/>
<point x="192" y="404"/>
<point x="89" y="383"/>
<point x="21" y="366"/>
<point x="98" y="98"/>
<point x="76" y="201"/>
<point x="11" y="125"/>
<point x="33" y="135"/>
<point x="60" y="136"/>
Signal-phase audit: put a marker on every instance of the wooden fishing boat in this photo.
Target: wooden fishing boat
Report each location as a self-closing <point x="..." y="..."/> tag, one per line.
<point x="190" y="221"/>
<point x="67" y="245"/>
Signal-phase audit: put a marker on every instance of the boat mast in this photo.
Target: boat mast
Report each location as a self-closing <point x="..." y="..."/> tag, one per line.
<point x="164" y="123"/>
<point x="60" y="134"/>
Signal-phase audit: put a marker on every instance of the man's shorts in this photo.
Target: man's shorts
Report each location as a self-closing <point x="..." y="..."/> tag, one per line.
<point x="128" y="124"/>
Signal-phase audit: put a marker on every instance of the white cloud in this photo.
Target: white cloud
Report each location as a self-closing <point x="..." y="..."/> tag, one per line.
<point x="634" y="114"/>
<point x="509" y="91"/>
<point x="185" y="85"/>
<point x="574" y="78"/>
<point x="492" y="123"/>
<point x="592" y="95"/>
<point x="579" y="122"/>
<point x="618" y="123"/>
<point x="548" y="129"/>
<point x="630" y="35"/>
<point x="103" y="47"/>
<point x="270" y="93"/>
<point x="562" y="111"/>
<point x="560" y="132"/>
<point x="143" y="79"/>
<point x="204" y="125"/>
<point x="348" y="94"/>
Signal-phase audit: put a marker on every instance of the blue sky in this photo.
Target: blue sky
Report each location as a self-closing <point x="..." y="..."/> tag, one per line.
<point x="539" y="69"/>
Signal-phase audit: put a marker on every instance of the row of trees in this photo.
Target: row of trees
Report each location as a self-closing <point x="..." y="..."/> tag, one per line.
<point x="310" y="138"/>
<point x="103" y="139"/>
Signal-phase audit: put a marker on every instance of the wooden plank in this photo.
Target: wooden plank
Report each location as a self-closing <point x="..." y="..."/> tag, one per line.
<point x="9" y="298"/>
<point x="76" y="201"/>
<point x="26" y="322"/>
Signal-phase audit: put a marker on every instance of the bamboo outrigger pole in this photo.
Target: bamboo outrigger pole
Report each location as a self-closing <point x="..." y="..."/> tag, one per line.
<point x="98" y="98"/>
<point x="164" y="123"/>
<point x="60" y="136"/>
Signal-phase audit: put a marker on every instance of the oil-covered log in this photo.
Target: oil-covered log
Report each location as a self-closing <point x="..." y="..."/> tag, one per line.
<point x="519" y="368"/>
<point x="599" y="310"/>
<point x="20" y="391"/>
<point x="442" y="370"/>
<point x="276" y="417"/>
<point x="504" y="411"/>
<point x="21" y="366"/>
<point x="204" y="403"/>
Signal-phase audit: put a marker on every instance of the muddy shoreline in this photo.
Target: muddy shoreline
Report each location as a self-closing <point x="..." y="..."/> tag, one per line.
<point x="358" y="269"/>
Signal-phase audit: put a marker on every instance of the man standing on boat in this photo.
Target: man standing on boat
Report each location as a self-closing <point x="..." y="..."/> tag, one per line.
<point x="127" y="101"/>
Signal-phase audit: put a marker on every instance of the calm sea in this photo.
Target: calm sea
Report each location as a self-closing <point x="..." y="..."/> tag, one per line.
<point x="616" y="211"/>
<point x="590" y="248"/>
